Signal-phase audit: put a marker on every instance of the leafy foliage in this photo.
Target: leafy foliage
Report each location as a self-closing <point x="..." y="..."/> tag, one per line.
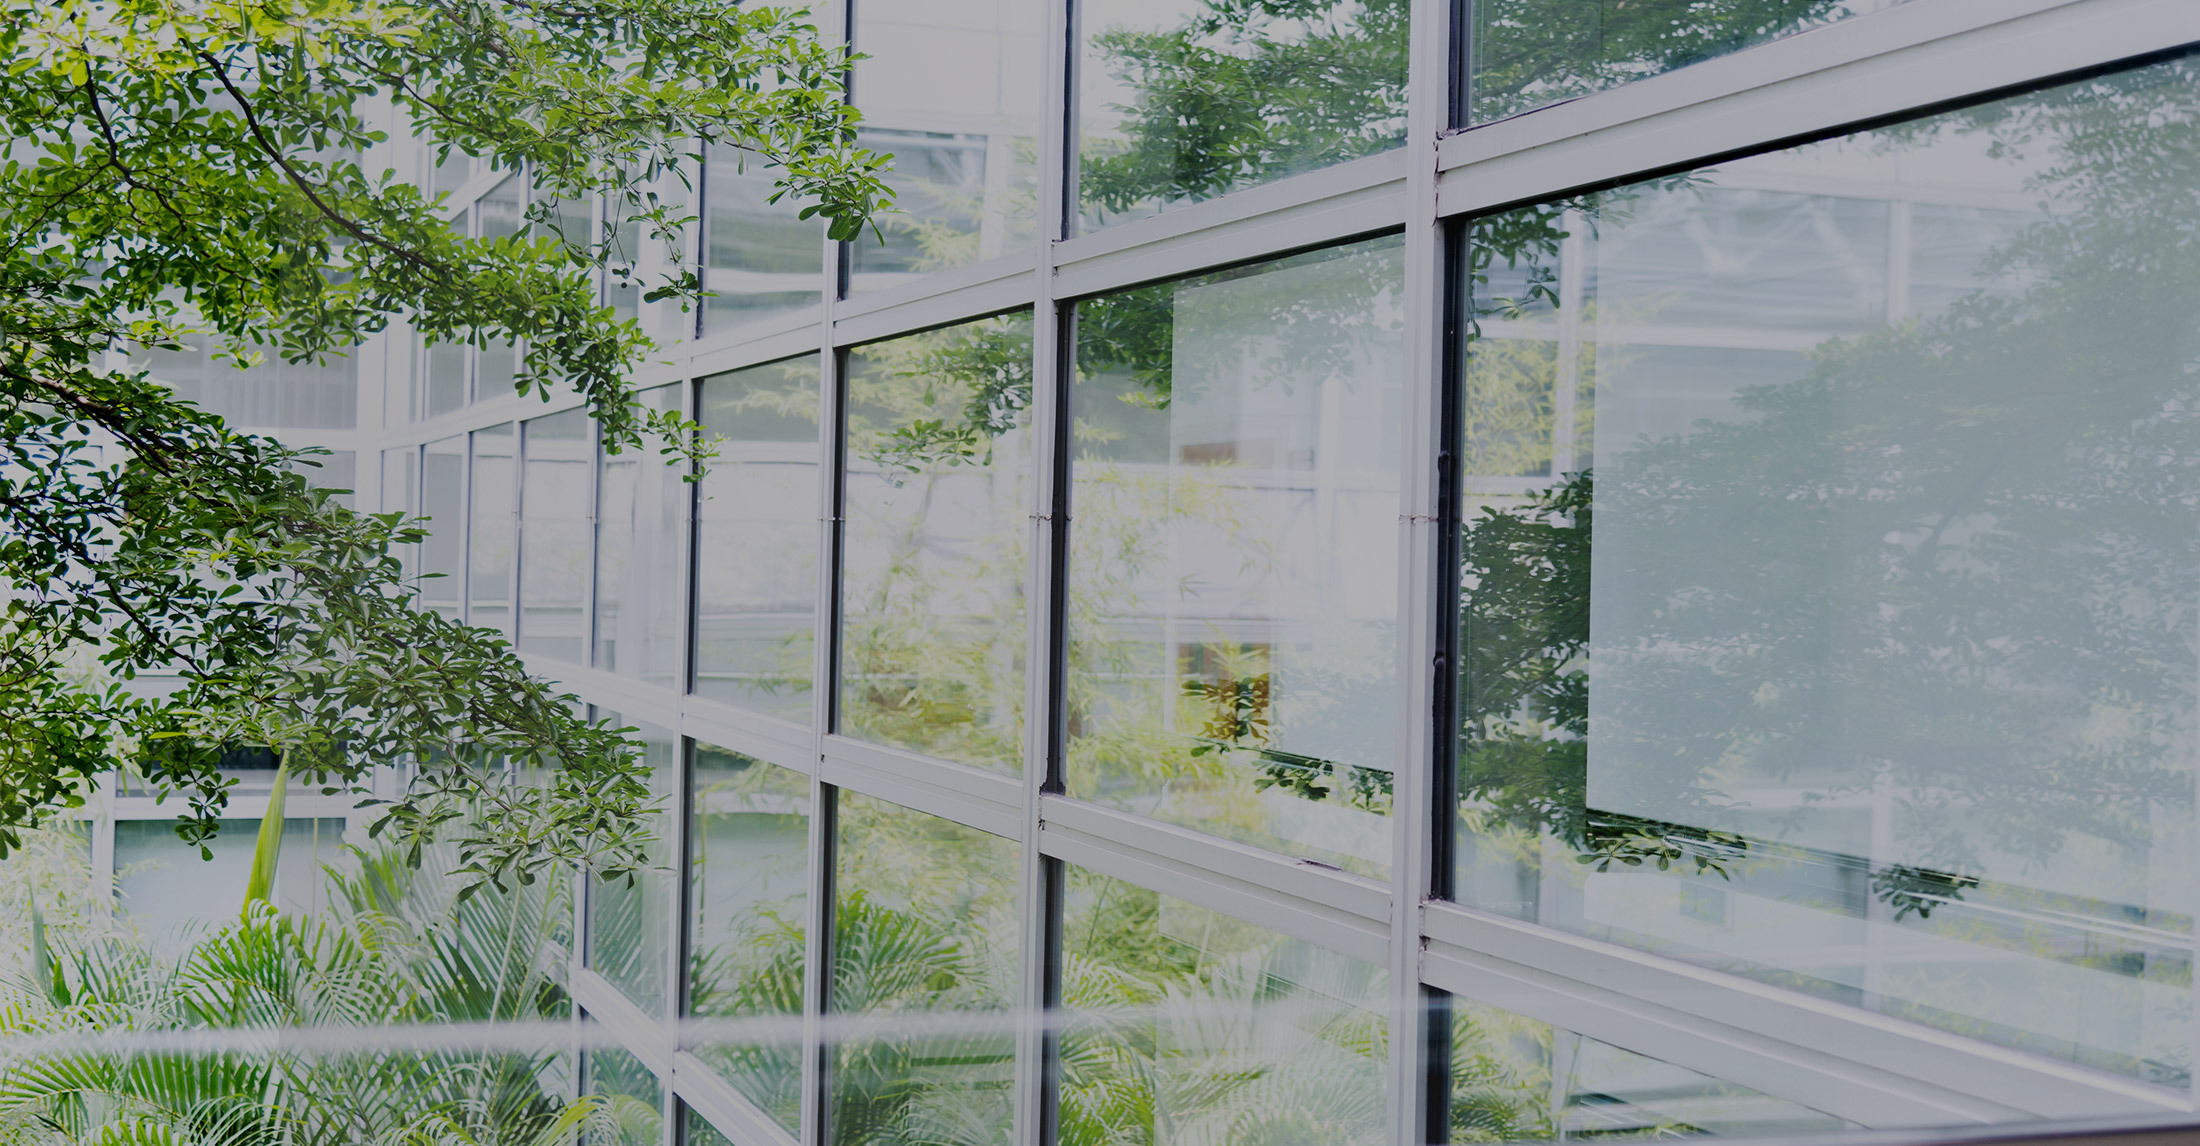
<point x="187" y="170"/>
<point x="400" y="950"/>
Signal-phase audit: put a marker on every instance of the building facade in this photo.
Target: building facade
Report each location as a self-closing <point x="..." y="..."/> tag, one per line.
<point x="1138" y="669"/>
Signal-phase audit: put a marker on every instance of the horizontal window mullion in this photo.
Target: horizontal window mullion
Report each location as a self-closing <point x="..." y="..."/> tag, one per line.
<point x="721" y="725"/>
<point x="1260" y="223"/>
<point x="1848" y="1062"/>
<point x="988" y="801"/>
<point x="1319" y="904"/>
<point x="955" y="302"/>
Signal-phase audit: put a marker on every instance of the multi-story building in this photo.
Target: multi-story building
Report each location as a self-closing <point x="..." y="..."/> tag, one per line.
<point x="1386" y="571"/>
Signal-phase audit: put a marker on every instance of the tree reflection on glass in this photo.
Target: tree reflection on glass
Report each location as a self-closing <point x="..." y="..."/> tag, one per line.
<point x="1526" y="54"/>
<point x="1230" y="93"/>
<point x="932" y="616"/>
<point x="1878" y="678"/>
<point x="1232" y="569"/>
<point x="748" y="882"/>
<point x="963" y="138"/>
<point x="924" y="925"/>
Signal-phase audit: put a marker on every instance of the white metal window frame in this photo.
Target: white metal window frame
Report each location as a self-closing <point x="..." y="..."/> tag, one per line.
<point x="1870" y="1069"/>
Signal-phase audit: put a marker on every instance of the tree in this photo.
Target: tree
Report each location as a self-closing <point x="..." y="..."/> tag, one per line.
<point x="196" y="169"/>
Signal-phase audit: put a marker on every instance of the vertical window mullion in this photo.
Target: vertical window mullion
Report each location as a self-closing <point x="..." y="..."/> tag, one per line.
<point x="1418" y="1068"/>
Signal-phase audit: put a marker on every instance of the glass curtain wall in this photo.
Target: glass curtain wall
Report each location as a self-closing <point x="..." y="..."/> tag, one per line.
<point x="924" y="927"/>
<point x="443" y="508"/>
<point x="759" y="259"/>
<point x="630" y="919"/>
<point x="1755" y="600"/>
<point x="1185" y="100"/>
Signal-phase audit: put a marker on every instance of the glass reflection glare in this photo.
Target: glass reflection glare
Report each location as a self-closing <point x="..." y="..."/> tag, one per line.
<point x="756" y="539"/>
<point x="553" y="556"/>
<point x="1830" y="570"/>
<point x="760" y="258"/>
<point x="964" y="138"/>
<point x="443" y="504"/>
<point x="1526" y="54"/>
<point x="493" y="490"/>
<point x="641" y="514"/>
<point x="1514" y="1079"/>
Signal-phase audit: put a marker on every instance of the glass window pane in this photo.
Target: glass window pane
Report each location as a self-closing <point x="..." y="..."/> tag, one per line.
<point x="1233" y="559"/>
<point x="964" y="137"/>
<point x="641" y="558"/>
<point x="756" y="538"/>
<point x="759" y="258"/>
<point x="441" y="176"/>
<point x="1184" y="1025"/>
<point x="173" y="895"/>
<point x="336" y="471"/>
<point x="271" y="394"/>
<point x="633" y="1100"/>
<point x="748" y="888"/>
<point x="400" y="493"/>
<point x="553" y="533"/>
<point x="493" y="494"/>
<point x="500" y="213"/>
<point x="630" y="920"/>
<point x="696" y="1130"/>
<point x="443" y="504"/>
<point x="1829" y="575"/>
<point x="401" y="368"/>
<point x="1183" y="100"/>
<point x="924" y="924"/>
<point x="622" y="238"/>
<point x="932" y="596"/>
<point x="1526" y="54"/>
<point x="495" y="368"/>
<point x="444" y="364"/>
<point x="1515" y="1079"/>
